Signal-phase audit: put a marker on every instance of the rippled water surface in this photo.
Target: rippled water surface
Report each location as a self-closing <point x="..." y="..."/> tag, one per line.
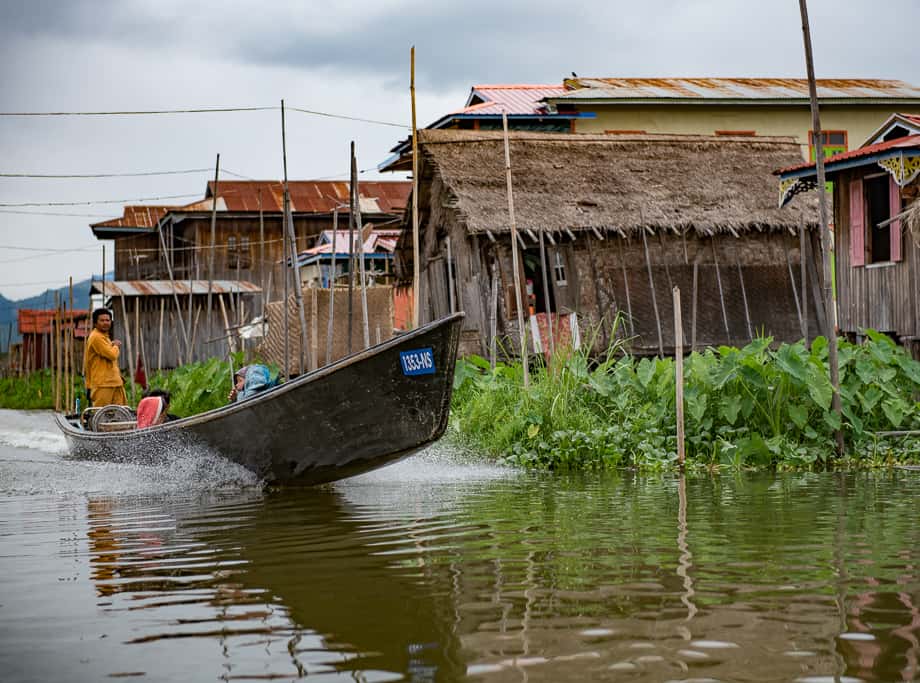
<point x="441" y="569"/>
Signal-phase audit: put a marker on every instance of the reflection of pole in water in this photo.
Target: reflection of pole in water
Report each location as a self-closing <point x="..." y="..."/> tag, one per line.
<point x="684" y="561"/>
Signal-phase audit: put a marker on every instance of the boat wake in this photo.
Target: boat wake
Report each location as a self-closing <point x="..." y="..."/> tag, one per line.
<point x="32" y="462"/>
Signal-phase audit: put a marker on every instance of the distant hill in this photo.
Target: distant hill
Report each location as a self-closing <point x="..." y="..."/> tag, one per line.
<point x="9" y="308"/>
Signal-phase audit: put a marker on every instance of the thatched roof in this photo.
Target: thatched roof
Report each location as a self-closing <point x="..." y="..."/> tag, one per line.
<point x="580" y="182"/>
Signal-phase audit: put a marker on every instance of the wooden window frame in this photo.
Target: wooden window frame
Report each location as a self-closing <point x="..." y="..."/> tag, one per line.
<point x="824" y="134"/>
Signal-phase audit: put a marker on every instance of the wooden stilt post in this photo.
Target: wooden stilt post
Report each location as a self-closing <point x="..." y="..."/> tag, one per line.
<point x="262" y="256"/>
<point x="514" y="253"/>
<point x="332" y="268"/>
<point x="651" y="284"/>
<point x="679" y="374"/>
<point x="696" y="277"/>
<point x="450" y="277"/>
<point x="286" y="273"/>
<point x="127" y="328"/>
<point x="160" y="343"/>
<point x="830" y="304"/>
<point x="137" y="334"/>
<point x="629" y="312"/>
<point x="415" y="166"/>
<point x="314" y="324"/>
<point x="795" y="292"/>
<point x="744" y="299"/>
<point x="493" y="318"/>
<point x="544" y="266"/>
<point x="715" y="258"/>
<point x="803" y="289"/>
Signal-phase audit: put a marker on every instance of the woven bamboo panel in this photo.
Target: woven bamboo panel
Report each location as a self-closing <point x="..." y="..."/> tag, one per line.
<point x="316" y="311"/>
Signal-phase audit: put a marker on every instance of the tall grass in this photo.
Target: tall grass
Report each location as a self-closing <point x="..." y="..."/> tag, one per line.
<point x="750" y="407"/>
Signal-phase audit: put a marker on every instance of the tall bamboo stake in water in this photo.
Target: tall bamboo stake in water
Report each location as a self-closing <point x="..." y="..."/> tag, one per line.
<point x="352" y="201"/>
<point x="415" y="237"/>
<point x="292" y="243"/>
<point x="332" y="267"/>
<point x="56" y="359"/>
<point x="70" y="348"/>
<point x="213" y="241"/>
<point x="514" y="252"/>
<point x="829" y="303"/>
<point x="360" y="228"/>
<point x="544" y="266"/>
<point x="679" y="374"/>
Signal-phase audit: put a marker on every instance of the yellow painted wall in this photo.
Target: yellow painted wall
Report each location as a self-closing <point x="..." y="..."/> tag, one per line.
<point x="858" y="121"/>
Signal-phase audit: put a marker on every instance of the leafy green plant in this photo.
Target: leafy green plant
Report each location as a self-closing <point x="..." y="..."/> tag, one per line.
<point x="751" y="407"/>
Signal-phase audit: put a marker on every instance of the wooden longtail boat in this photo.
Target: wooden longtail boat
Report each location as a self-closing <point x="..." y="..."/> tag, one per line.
<point x="359" y="413"/>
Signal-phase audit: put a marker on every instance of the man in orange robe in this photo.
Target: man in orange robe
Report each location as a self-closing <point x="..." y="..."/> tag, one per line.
<point x="100" y="363"/>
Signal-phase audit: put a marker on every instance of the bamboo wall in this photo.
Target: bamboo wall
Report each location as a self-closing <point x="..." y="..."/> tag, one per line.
<point x="380" y="319"/>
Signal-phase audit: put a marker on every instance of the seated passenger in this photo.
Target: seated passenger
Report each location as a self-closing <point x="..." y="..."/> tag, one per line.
<point x="250" y="380"/>
<point x="152" y="409"/>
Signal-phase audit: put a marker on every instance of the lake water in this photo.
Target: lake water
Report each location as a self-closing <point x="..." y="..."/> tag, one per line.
<point x="440" y="568"/>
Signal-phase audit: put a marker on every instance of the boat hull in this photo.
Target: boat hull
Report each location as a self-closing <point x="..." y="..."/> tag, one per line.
<point x="355" y="415"/>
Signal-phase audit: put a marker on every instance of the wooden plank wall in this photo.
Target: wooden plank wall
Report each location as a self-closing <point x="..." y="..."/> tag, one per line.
<point x="884" y="297"/>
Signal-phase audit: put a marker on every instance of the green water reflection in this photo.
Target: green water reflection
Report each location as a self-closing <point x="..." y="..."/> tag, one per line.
<point x="762" y="577"/>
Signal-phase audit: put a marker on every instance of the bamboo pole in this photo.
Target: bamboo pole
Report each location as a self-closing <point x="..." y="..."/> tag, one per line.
<point x="231" y="342"/>
<point x="332" y="268"/>
<point x="124" y="317"/>
<point x="352" y="200"/>
<point x="160" y="344"/>
<point x="103" y="276"/>
<point x="829" y="302"/>
<point x="286" y="276"/>
<point x="314" y="324"/>
<point x="70" y="349"/>
<point x="679" y="375"/>
<point x="514" y="252"/>
<point x="795" y="292"/>
<point x="803" y="288"/>
<point x="56" y="372"/>
<point x="292" y="243"/>
<point x="262" y="254"/>
<point x="450" y="278"/>
<point x="696" y="277"/>
<point x="744" y="299"/>
<point x="651" y="284"/>
<point x="137" y="334"/>
<point x="629" y="312"/>
<point x="715" y="258"/>
<point x="415" y="236"/>
<point x="493" y="318"/>
<point x="213" y="239"/>
<point x="360" y="228"/>
<point x="544" y="266"/>
<point x="172" y="285"/>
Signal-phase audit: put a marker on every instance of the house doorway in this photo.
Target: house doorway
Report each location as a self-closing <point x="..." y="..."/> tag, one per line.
<point x="533" y="276"/>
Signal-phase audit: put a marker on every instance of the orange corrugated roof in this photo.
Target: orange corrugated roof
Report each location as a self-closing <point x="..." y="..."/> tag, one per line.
<point x="38" y="321"/>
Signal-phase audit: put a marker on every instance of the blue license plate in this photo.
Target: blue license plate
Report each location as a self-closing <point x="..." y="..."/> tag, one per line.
<point x="417" y="362"/>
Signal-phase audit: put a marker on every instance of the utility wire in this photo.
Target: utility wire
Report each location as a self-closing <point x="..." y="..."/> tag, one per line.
<point x="213" y="110"/>
<point x="55" y="213"/>
<point x="105" y="201"/>
<point x="102" y="175"/>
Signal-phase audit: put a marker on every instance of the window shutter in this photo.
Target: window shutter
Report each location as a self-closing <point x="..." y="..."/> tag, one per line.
<point x="857" y="224"/>
<point x="894" y="204"/>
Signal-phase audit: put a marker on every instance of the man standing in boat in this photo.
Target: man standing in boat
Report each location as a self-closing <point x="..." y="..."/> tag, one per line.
<point x="100" y="363"/>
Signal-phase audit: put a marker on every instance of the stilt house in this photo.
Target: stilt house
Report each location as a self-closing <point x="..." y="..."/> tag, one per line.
<point x="624" y="219"/>
<point x="877" y="227"/>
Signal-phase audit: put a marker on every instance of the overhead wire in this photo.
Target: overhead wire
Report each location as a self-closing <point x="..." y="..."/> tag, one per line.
<point x="103" y="201"/>
<point x="102" y="175"/>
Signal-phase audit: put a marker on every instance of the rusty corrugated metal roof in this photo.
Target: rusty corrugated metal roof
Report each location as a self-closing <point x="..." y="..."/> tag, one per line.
<point x="309" y="196"/>
<point x="136" y="217"/>
<point x="854" y="89"/>
<point x="39" y="321"/>
<point x="168" y="288"/>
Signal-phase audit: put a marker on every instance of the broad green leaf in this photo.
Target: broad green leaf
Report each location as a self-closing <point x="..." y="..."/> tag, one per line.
<point x="819" y="387"/>
<point x="894" y="409"/>
<point x="645" y="370"/>
<point x="832" y="419"/>
<point x="729" y="410"/>
<point x="798" y="415"/>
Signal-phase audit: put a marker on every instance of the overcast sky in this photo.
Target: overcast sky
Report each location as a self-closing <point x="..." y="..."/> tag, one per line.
<point x="347" y="57"/>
